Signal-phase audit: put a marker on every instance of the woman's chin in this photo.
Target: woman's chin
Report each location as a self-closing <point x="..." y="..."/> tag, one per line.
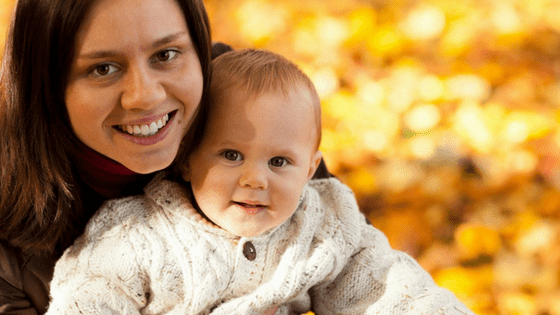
<point x="148" y="168"/>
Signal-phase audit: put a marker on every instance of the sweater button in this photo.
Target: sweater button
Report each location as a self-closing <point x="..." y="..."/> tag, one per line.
<point x="249" y="251"/>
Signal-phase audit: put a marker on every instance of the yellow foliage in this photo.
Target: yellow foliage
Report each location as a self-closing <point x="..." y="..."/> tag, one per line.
<point x="341" y="106"/>
<point x="424" y="23"/>
<point x="466" y="283"/>
<point x="521" y="126"/>
<point x="443" y="117"/>
<point x="362" y="22"/>
<point x="362" y="181"/>
<point x="517" y="303"/>
<point x="475" y="240"/>
<point x="385" y="40"/>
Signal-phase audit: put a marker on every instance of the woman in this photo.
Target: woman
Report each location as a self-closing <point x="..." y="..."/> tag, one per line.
<point x="95" y="97"/>
<point x="81" y="84"/>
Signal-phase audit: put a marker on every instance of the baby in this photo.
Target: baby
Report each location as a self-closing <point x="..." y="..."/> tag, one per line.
<point x="247" y="230"/>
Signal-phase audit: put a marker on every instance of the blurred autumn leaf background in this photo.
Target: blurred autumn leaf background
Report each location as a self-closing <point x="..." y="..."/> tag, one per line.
<point x="443" y="116"/>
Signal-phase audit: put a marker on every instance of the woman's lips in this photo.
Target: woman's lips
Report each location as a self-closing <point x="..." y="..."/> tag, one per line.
<point x="145" y="130"/>
<point x="148" y="137"/>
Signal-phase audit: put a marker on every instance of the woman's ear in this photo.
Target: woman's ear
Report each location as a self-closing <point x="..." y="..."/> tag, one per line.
<point x="315" y="161"/>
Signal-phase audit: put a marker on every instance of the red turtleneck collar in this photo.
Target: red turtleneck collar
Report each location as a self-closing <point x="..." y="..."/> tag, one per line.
<point x="105" y="176"/>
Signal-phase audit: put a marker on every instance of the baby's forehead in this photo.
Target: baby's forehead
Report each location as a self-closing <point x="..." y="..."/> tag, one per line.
<point x="298" y="95"/>
<point x="295" y="105"/>
<point x="297" y="98"/>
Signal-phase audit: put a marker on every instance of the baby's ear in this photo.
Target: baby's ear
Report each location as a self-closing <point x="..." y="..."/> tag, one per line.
<point x="315" y="161"/>
<point x="185" y="174"/>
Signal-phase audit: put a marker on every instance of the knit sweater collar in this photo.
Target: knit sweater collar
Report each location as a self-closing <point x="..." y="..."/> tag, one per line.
<point x="105" y="176"/>
<point x="177" y="199"/>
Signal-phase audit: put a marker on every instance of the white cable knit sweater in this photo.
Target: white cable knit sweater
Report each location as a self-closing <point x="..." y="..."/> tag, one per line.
<point x="154" y="254"/>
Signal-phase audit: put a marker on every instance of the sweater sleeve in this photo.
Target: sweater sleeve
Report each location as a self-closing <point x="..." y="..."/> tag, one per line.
<point x="382" y="281"/>
<point x="99" y="274"/>
<point x="371" y="277"/>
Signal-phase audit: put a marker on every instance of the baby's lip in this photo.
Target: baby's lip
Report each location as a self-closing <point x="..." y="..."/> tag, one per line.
<point x="250" y="204"/>
<point x="251" y="207"/>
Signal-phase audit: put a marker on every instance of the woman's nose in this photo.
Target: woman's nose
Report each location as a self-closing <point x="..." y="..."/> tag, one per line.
<point x="254" y="177"/>
<point x="142" y="89"/>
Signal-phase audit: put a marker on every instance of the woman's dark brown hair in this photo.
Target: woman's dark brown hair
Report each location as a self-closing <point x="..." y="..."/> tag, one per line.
<point x="39" y="197"/>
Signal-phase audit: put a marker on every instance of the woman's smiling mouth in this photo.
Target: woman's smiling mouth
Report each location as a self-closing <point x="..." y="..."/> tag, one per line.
<point x="146" y="130"/>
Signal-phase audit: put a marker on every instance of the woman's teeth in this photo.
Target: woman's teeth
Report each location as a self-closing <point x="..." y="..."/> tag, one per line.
<point x="145" y="130"/>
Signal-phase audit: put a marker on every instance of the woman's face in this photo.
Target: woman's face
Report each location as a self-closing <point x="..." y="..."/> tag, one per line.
<point x="135" y="82"/>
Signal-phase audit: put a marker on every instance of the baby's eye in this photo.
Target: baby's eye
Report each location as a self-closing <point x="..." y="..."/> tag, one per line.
<point x="104" y="70"/>
<point x="278" y="161"/>
<point x="232" y="155"/>
<point x="166" y="55"/>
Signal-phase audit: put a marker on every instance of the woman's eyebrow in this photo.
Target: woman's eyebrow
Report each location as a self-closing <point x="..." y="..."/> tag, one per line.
<point x="98" y="54"/>
<point x="111" y="53"/>
<point x="168" y="39"/>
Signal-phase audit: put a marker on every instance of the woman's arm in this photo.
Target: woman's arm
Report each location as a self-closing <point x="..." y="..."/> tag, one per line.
<point x="24" y="281"/>
<point x="13" y="300"/>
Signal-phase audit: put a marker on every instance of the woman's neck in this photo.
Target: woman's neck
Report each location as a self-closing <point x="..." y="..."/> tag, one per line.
<point x="107" y="177"/>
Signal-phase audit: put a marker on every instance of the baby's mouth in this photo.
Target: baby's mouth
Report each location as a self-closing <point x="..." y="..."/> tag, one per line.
<point x="146" y="130"/>
<point x="249" y="205"/>
<point x="251" y="208"/>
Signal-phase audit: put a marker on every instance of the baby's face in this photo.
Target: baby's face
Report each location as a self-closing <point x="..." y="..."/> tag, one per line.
<point x="256" y="155"/>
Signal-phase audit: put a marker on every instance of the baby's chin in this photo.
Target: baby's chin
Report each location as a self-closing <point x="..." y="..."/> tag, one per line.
<point x="246" y="232"/>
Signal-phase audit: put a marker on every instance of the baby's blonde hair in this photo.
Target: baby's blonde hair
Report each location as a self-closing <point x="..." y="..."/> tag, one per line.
<point x="259" y="71"/>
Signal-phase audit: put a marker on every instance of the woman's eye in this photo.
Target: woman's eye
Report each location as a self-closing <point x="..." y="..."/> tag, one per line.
<point x="104" y="70"/>
<point x="232" y="156"/>
<point x="278" y="161"/>
<point x="166" y="55"/>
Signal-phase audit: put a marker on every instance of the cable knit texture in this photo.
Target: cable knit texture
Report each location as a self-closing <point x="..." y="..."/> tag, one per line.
<point x="154" y="254"/>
